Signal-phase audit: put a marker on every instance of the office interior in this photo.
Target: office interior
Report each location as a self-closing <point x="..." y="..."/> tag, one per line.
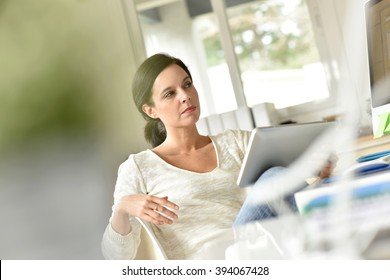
<point x="68" y="119"/>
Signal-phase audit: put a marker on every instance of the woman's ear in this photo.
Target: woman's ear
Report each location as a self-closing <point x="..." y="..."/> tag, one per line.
<point x="149" y="110"/>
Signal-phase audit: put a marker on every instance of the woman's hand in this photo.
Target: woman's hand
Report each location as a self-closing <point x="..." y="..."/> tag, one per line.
<point x="156" y="210"/>
<point x="328" y="168"/>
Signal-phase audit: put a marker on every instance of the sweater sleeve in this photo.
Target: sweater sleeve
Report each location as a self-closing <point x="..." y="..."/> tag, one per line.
<point x="121" y="247"/>
<point x="115" y="245"/>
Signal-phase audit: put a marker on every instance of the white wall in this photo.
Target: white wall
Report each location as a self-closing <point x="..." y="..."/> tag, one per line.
<point x="174" y="35"/>
<point x="341" y="34"/>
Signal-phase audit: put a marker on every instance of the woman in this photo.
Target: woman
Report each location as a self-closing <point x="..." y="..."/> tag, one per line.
<point x="185" y="186"/>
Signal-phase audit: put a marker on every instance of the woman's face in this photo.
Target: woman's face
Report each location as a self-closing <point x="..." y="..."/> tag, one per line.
<point x="175" y="98"/>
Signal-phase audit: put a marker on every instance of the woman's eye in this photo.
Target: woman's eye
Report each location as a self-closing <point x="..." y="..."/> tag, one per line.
<point x="168" y="94"/>
<point x="188" y="84"/>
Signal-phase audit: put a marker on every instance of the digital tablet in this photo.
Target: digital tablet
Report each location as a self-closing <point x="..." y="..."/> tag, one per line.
<point x="277" y="146"/>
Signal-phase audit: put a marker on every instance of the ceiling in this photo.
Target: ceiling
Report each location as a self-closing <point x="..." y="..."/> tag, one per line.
<point x="199" y="7"/>
<point x="149" y="8"/>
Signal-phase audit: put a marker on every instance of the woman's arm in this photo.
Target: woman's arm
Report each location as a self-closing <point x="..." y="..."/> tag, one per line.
<point x="121" y="237"/>
<point x="121" y="247"/>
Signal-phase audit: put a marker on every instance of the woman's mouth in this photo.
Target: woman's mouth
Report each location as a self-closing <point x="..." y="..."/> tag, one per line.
<point x="189" y="109"/>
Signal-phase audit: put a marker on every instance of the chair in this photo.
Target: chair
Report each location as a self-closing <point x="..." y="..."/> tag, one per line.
<point x="149" y="248"/>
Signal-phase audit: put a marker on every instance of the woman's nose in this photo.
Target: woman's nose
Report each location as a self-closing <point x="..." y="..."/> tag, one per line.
<point x="184" y="100"/>
<point x="184" y="97"/>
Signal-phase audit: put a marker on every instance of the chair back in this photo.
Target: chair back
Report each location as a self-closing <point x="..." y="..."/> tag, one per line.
<point x="149" y="248"/>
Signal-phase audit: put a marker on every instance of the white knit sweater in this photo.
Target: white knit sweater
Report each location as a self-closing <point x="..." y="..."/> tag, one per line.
<point x="209" y="202"/>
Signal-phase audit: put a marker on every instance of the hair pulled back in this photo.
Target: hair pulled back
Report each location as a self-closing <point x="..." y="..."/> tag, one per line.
<point x="143" y="81"/>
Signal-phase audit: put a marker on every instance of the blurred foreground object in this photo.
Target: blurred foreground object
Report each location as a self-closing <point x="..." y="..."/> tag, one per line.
<point x="64" y="70"/>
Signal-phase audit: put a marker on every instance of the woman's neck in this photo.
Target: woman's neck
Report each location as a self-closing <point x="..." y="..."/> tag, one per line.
<point x="183" y="141"/>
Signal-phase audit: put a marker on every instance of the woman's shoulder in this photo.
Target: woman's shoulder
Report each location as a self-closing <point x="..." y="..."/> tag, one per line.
<point x="233" y="135"/>
<point x="141" y="155"/>
<point x="144" y="155"/>
<point x="233" y="140"/>
<point x="135" y="159"/>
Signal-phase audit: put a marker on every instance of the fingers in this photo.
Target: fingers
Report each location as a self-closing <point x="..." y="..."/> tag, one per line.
<point x="160" y="210"/>
<point x="158" y="218"/>
<point x="164" y="202"/>
<point x="170" y="215"/>
<point x="328" y="167"/>
<point x="157" y="210"/>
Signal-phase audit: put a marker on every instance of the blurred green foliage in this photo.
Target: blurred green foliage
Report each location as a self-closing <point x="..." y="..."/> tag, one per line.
<point x="277" y="36"/>
<point x="49" y="55"/>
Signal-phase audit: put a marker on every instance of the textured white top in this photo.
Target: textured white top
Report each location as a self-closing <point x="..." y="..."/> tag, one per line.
<point x="209" y="202"/>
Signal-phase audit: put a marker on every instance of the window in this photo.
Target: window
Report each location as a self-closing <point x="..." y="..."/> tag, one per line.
<point x="276" y="50"/>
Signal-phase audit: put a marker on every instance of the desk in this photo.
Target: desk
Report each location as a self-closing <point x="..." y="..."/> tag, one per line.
<point x="368" y="145"/>
<point x="366" y="219"/>
<point x="363" y="146"/>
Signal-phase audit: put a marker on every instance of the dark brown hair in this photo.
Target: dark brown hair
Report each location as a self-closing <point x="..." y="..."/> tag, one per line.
<point x="143" y="81"/>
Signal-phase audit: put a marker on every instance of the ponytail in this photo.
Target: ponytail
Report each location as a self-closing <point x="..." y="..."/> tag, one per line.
<point x="155" y="132"/>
